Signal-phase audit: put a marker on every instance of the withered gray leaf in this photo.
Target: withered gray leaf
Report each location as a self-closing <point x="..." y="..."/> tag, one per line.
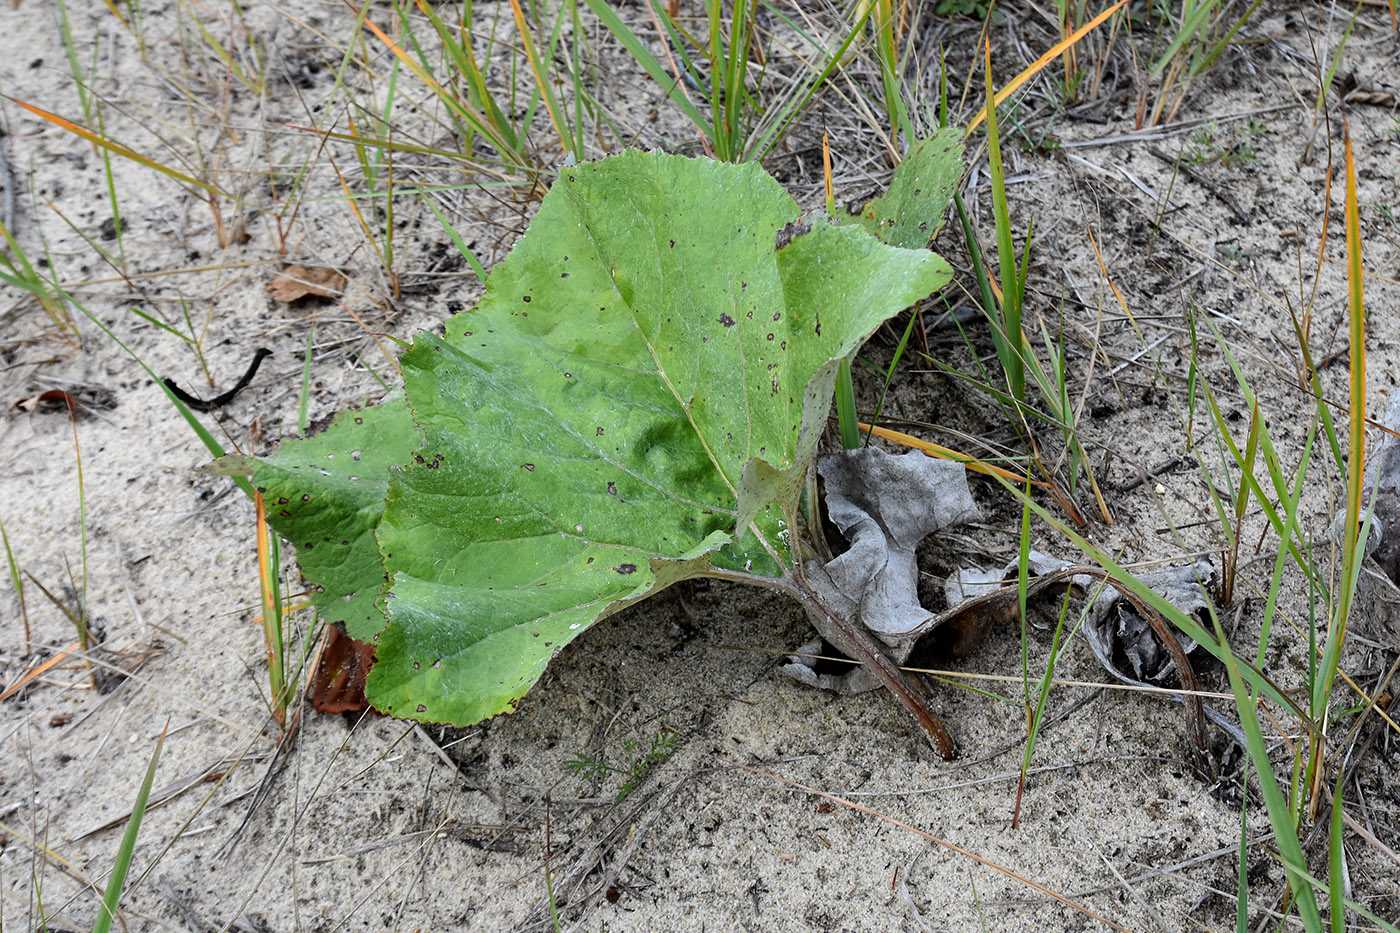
<point x="885" y="505"/>
<point x="1123" y="641"/>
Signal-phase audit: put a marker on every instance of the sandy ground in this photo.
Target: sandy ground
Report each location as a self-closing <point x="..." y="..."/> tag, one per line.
<point x="370" y="823"/>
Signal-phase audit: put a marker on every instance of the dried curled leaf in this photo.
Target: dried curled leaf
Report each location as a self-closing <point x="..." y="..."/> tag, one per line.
<point x="885" y="505"/>
<point x="297" y="282"/>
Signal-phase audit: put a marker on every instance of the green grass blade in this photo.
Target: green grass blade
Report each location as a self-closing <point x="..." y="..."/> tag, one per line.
<point x="462" y="248"/>
<point x="604" y="11"/>
<point x="304" y="403"/>
<point x="846" y="407"/>
<point x="117" y="880"/>
<point x="1010" y="347"/>
<point x="1275" y="804"/>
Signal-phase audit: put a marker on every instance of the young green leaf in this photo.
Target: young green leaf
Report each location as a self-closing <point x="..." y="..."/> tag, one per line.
<point x="911" y="213"/>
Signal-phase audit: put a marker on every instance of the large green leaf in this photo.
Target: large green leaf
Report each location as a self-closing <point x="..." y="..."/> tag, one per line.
<point x="666" y="333"/>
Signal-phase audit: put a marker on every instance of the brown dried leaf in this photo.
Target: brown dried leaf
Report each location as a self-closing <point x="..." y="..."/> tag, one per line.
<point x="338" y="686"/>
<point x="299" y="282"/>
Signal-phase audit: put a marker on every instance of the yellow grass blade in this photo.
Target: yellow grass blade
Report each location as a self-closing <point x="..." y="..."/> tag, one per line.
<point x="1055" y="51"/>
<point x="117" y="148"/>
<point x="946" y="453"/>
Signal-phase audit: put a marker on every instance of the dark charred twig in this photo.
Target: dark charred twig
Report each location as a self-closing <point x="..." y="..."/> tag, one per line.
<point x="220" y="401"/>
<point x="1223" y="196"/>
<point x="1145" y="476"/>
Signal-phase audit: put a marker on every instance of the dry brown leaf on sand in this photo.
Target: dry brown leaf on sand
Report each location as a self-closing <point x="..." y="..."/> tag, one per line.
<point x="297" y="282"/>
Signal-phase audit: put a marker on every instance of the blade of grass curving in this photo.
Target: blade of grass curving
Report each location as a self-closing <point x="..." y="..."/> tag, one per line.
<point x="118" y="148"/>
<point x="112" y="896"/>
<point x="1275" y="804"/>
<point x="1272" y="461"/>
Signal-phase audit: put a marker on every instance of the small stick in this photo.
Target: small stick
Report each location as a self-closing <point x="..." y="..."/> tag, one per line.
<point x="7" y="178"/>
<point x="1225" y="197"/>
<point x="220" y="400"/>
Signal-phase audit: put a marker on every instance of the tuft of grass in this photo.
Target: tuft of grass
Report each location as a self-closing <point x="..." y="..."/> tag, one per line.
<point x="738" y="120"/>
<point x="1197" y="32"/>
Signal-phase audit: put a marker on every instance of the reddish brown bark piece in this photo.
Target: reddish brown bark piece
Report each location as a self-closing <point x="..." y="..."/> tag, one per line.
<point x="338" y="686"/>
<point x="299" y="282"/>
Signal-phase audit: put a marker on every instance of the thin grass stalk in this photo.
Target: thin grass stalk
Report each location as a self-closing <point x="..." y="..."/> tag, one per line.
<point x="303" y="404"/>
<point x="1356" y="525"/>
<point x="24" y="276"/>
<point x="847" y="418"/>
<point x="477" y="269"/>
<point x="17" y="581"/>
<point x="1281" y="818"/>
<point x="889" y="376"/>
<point x="1012" y="342"/>
<point x="541" y="73"/>
<point x="80" y="616"/>
<point x="1336" y="859"/>
<point x="1242" y="864"/>
<point x="269" y="567"/>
